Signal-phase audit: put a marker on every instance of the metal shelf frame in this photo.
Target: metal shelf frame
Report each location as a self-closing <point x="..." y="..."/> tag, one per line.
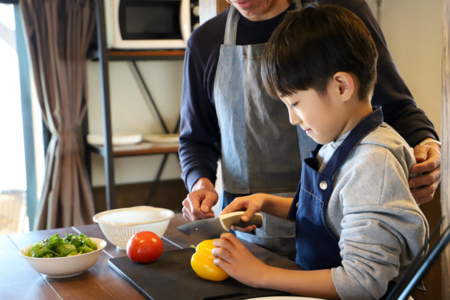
<point x="104" y="56"/>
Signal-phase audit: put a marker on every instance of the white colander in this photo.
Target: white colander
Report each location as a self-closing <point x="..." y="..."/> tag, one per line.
<point x="119" y="225"/>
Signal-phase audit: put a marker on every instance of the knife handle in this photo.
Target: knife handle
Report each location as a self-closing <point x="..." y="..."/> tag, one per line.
<point x="234" y="218"/>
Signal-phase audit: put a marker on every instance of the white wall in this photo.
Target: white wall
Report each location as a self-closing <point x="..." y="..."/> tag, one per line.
<point x="131" y="111"/>
<point x="413" y="31"/>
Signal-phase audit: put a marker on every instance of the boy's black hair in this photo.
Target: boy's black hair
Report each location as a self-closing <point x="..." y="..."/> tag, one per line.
<point x="314" y="43"/>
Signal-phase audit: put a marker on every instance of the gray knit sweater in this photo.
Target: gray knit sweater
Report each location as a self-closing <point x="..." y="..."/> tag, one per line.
<point x="371" y="210"/>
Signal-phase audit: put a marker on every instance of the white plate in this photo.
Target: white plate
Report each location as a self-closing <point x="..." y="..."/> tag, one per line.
<point x="162" y="138"/>
<point x="120" y="138"/>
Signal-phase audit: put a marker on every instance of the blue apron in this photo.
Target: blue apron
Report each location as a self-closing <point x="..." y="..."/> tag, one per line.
<point x="317" y="246"/>
<point x="261" y="150"/>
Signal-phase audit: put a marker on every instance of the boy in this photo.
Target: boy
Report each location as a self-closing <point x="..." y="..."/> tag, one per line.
<point x="357" y="224"/>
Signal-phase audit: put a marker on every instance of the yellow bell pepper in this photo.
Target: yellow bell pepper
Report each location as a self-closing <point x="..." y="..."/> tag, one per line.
<point x="202" y="262"/>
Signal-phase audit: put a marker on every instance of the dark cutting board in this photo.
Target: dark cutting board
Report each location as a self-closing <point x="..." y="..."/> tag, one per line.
<point x="171" y="277"/>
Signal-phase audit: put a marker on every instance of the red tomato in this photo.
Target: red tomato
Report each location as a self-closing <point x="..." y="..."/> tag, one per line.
<point x="144" y="247"/>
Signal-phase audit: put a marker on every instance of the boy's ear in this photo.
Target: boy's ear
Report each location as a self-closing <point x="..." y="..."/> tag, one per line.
<point x="345" y="84"/>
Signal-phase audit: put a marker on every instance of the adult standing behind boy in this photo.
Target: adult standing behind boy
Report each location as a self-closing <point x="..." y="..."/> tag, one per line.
<point x="227" y="114"/>
<point x="357" y="224"/>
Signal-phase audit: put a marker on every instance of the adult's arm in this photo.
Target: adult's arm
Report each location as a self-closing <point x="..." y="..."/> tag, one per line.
<point x="399" y="108"/>
<point x="199" y="130"/>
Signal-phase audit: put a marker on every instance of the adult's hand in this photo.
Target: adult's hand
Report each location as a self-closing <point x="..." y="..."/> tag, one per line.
<point x="199" y="202"/>
<point x="428" y="166"/>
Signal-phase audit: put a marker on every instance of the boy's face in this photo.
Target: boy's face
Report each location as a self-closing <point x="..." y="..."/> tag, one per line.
<point x="320" y="116"/>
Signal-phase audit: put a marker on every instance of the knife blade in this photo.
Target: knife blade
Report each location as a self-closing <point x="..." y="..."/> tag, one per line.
<point x="214" y="227"/>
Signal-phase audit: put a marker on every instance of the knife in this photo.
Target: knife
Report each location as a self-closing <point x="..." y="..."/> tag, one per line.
<point x="214" y="227"/>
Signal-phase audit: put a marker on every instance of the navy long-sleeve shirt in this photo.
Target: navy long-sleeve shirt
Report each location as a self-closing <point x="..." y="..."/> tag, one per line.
<point x="200" y="132"/>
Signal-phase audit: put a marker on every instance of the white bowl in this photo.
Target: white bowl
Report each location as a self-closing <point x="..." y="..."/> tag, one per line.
<point x="119" y="225"/>
<point x="62" y="267"/>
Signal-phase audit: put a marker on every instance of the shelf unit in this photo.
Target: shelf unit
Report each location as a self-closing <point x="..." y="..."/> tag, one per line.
<point x="133" y="55"/>
<point x="169" y="148"/>
<point x="103" y="55"/>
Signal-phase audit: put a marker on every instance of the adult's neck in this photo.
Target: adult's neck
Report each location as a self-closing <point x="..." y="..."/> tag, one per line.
<point x="275" y="8"/>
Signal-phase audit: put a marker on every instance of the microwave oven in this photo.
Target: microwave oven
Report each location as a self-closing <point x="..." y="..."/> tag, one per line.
<point x="150" y="24"/>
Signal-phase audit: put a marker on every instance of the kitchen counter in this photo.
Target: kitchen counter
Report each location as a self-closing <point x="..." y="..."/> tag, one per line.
<point x="19" y="281"/>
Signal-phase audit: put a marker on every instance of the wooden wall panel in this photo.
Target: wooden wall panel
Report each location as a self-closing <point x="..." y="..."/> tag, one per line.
<point x="432" y="280"/>
<point x="445" y="165"/>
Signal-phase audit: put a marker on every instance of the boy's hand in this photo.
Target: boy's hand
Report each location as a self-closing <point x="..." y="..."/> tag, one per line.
<point x="199" y="202"/>
<point x="249" y="204"/>
<point x="424" y="186"/>
<point x="235" y="259"/>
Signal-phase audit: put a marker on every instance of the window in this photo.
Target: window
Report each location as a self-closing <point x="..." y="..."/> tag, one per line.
<point x="18" y="158"/>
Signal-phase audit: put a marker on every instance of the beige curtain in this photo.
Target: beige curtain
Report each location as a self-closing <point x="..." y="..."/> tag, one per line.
<point x="58" y="34"/>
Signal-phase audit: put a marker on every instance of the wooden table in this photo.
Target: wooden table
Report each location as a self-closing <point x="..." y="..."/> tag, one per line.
<point x="19" y="281"/>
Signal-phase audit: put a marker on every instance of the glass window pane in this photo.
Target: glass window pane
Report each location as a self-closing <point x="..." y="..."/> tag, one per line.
<point x="13" y="169"/>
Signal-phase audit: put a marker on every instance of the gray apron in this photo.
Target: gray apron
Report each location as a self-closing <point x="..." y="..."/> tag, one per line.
<point x="261" y="150"/>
